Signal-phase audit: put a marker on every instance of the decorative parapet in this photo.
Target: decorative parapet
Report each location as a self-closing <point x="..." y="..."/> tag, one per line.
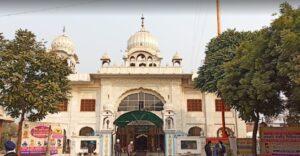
<point x="140" y="70"/>
<point x="79" y="77"/>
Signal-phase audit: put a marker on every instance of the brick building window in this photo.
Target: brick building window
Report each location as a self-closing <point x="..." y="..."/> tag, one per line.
<point x="194" y="105"/>
<point x="219" y="106"/>
<point x="63" y="107"/>
<point x="87" y="105"/>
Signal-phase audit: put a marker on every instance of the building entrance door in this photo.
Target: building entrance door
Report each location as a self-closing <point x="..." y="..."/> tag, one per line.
<point x="143" y="128"/>
<point x="141" y="142"/>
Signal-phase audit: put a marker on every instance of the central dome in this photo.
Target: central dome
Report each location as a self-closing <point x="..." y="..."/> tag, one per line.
<point x="142" y="38"/>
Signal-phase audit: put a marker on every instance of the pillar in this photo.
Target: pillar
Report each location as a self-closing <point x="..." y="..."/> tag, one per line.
<point x="105" y="143"/>
<point x="170" y="143"/>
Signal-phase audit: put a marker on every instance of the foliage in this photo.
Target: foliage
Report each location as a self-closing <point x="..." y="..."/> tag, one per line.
<point x="218" y="51"/>
<point x="32" y="81"/>
<point x="286" y="39"/>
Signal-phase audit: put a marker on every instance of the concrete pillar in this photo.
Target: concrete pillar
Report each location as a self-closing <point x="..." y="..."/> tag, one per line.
<point x="106" y="141"/>
<point x="170" y="143"/>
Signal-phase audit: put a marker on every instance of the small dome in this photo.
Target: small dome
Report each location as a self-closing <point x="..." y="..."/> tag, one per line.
<point x="105" y="56"/>
<point x="177" y="56"/>
<point x="63" y="43"/>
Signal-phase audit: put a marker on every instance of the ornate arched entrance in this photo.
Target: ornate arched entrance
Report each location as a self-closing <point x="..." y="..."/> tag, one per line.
<point x="144" y="128"/>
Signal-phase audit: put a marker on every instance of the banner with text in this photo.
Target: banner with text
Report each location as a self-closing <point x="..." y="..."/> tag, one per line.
<point x="41" y="138"/>
<point x="280" y="141"/>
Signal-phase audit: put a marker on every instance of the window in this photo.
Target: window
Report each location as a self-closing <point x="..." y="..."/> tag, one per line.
<point x="87" y="105"/>
<point x="86" y="144"/>
<point x="63" y="107"/>
<point x="132" y="65"/>
<point x="194" y="131"/>
<point x="141" y="57"/>
<point x="194" y="105"/>
<point x="142" y="101"/>
<point x="142" y="65"/>
<point x="86" y="131"/>
<point x="219" y="104"/>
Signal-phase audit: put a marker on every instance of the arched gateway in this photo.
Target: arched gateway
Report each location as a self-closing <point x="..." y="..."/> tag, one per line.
<point x="144" y="128"/>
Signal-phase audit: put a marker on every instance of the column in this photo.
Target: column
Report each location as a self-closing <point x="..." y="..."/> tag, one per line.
<point x="105" y="143"/>
<point x="170" y="143"/>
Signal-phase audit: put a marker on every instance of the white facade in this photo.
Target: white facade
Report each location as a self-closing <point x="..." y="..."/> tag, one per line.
<point x="142" y="72"/>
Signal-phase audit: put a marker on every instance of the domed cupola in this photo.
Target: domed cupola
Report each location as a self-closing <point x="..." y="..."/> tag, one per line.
<point x="64" y="47"/>
<point x="142" y="49"/>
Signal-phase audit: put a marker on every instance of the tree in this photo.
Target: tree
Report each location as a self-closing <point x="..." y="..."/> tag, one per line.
<point x="250" y="83"/>
<point x="219" y="50"/>
<point x="32" y="81"/>
<point x="286" y="37"/>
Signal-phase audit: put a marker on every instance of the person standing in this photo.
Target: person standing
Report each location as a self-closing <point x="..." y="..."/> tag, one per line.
<point x="117" y="148"/>
<point x="219" y="149"/>
<point x="208" y="149"/>
<point x="130" y="148"/>
<point x="10" y="148"/>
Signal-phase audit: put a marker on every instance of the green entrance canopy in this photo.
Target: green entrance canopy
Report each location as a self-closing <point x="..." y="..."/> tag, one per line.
<point x="126" y="118"/>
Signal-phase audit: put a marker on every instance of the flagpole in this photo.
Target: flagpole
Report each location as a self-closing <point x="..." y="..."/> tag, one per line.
<point x="224" y="134"/>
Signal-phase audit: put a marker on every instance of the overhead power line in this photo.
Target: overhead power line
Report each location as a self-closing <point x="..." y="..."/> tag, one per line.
<point x="47" y="9"/>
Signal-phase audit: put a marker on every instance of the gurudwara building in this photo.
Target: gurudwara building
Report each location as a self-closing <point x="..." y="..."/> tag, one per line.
<point x="140" y="101"/>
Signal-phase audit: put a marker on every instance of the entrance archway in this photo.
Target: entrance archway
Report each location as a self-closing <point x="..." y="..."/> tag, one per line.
<point x="143" y="128"/>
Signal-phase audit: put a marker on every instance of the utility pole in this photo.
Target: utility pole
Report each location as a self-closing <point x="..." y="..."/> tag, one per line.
<point x="224" y="134"/>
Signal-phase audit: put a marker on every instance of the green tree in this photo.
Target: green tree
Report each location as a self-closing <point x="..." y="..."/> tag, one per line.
<point x="250" y="83"/>
<point x="286" y="38"/>
<point x="32" y="81"/>
<point x="219" y="50"/>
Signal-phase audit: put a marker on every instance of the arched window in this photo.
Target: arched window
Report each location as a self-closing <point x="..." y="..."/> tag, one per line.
<point x="149" y="58"/>
<point x="141" y="101"/>
<point x="142" y="65"/>
<point x="86" y="131"/>
<point x="132" y="58"/>
<point x="227" y="130"/>
<point x="132" y="65"/>
<point x="195" y="131"/>
<point x="141" y="57"/>
<point x="176" y="63"/>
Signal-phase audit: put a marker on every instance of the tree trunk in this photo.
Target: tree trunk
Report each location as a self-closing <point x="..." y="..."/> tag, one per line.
<point x="1" y="124"/>
<point x="20" y="126"/>
<point x="254" y="134"/>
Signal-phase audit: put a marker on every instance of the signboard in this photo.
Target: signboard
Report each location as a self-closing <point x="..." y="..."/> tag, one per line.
<point x="40" y="138"/>
<point x="280" y="141"/>
<point x="244" y="146"/>
<point x="188" y="145"/>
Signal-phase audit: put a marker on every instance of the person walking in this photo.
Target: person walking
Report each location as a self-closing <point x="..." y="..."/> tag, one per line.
<point x="117" y="148"/>
<point x="130" y="148"/>
<point x="10" y="148"/>
<point x="208" y="149"/>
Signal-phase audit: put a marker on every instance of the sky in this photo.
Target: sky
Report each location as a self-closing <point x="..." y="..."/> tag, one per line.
<point x="101" y="26"/>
